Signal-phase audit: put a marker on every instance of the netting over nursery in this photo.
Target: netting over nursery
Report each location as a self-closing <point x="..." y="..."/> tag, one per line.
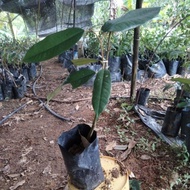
<point x="48" y="16"/>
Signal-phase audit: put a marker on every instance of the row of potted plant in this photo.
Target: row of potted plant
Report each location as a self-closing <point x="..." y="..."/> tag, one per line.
<point x="15" y="74"/>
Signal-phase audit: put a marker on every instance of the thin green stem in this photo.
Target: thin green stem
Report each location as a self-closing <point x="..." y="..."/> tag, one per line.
<point x="108" y="45"/>
<point x="92" y="128"/>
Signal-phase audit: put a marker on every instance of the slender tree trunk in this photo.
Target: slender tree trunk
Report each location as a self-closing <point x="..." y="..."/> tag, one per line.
<point x="113" y="9"/>
<point x="135" y="54"/>
<point x="11" y="26"/>
<point x="74" y="13"/>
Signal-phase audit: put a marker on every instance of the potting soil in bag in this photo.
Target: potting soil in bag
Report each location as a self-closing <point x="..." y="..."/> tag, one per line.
<point x="84" y="167"/>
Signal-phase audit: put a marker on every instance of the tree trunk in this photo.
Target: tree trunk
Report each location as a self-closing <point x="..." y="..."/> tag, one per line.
<point x="135" y="54"/>
<point x="113" y="9"/>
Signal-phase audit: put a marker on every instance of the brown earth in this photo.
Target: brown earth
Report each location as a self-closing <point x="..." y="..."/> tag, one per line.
<point x="30" y="157"/>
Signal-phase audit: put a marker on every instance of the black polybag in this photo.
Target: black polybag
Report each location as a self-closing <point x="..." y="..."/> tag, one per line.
<point x="32" y="71"/>
<point x="19" y="87"/>
<point x="157" y="70"/>
<point x="126" y="67"/>
<point x="114" y="64"/>
<point x="1" y="92"/>
<point x="84" y="169"/>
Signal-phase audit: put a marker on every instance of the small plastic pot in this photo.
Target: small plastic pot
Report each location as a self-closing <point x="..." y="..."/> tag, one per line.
<point x="32" y="72"/>
<point x="24" y="72"/>
<point x="1" y="93"/>
<point x="172" y="121"/>
<point x="142" y="96"/>
<point x="185" y="119"/>
<point x="20" y="88"/>
<point x="172" y="67"/>
<point x="114" y="64"/>
<point x="8" y="89"/>
<point x="14" y="71"/>
<point x="115" y="76"/>
<point x="84" y="167"/>
<point x="126" y="67"/>
<point x="187" y="139"/>
<point x="157" y="70"/>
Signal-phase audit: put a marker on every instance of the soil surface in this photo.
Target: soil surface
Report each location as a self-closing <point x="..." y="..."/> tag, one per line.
<point x="30" y="157"/>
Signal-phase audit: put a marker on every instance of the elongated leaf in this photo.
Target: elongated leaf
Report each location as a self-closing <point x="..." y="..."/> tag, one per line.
<point x="131" y="19"/>
<point x="54" y="93"/>
<point x="101" y="91"/>
<point x="83" y="61"/>
<point x="182" y="80"/>
<point x="53" y="45"/>
<point x="79" y="78"/>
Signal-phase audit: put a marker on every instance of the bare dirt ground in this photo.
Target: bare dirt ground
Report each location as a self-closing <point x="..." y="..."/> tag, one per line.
<point x="30" y="157"/>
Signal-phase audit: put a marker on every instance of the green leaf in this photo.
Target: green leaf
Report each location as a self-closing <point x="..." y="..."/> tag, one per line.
<point x="181" y="80"/>
<point x="131" y="19"/>
<point x="182" y="104"/>
<point x="101" y="91"/>
<point x="53" y="45"/>
<point x="135" y="184"/>
<point x="54" y="93"/>
<point x="80" y="77"/>
<point x="83" y="61"/>
<point x="167" y="87"/>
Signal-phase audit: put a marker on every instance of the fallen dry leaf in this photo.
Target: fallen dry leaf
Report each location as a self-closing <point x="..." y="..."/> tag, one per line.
<point x="131" y="174"/>
<point x="27" y="151"/>
<point x="77" y="107"/>
<point x="145" y="157"/>
<point x="47" y="170"/>
<point x="111" y="146"/>
<point x="116" y="109"/>
<point x="6" y="169"/>
<point x="120" y="147"/>
<point x="125" y="154"/>
<point x="13" y="175"/>
<point x="20" y="183"/>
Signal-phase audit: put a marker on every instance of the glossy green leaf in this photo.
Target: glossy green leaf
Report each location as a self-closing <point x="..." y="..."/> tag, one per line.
<point x="131" y="19"/>
<point x="54" y="93"/>
<point x="135" y="184"/>
<point x="83" y="61"/>
<point x="53" y="45"/>
<point x="80" y="77"/>
<point x="101" y="91"/>
<point x="182" y="80"/>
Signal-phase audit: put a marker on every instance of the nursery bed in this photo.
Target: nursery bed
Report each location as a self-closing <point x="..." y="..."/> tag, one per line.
<point x="30" y="157"/>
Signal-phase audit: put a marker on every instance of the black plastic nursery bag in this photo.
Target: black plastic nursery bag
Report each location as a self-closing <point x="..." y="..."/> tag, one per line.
<point x="84" y="169"/>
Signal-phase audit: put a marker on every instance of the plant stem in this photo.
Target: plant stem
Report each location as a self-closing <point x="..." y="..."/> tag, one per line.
<point x="108" y="45"/>
<point x="11" y="26"/>
<point x="92" y="128"/>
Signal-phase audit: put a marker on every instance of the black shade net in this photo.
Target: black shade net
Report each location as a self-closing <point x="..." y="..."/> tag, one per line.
<point x="48" y="16"/>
